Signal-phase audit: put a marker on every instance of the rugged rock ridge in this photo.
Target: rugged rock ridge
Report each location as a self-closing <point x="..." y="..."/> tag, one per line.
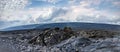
<point x="49" y="37"/>
<point x="62" y="40"/>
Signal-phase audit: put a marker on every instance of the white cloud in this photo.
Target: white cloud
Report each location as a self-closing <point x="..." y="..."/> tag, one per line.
<point x="42" y="13"/>
<point x="29" y="15"/>
<point x="73" y="13"/>
<point x="84" y="14"/>
<point x="50" y="1"/>
<point x="89" y="3"/>
<point x="116" y="3"/>
<point x="12" y="4"/>
<point x="8" y="7"/>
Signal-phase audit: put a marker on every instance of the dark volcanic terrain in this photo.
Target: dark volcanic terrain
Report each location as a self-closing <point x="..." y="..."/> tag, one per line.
<point x="57" y="39"/>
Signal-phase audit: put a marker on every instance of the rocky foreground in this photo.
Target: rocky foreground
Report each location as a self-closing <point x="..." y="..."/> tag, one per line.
<point x="60" y="40"/>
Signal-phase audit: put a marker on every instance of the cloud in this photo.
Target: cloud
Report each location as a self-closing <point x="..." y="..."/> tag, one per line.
<point x="14" y="13"/>
<point x="117" y="3"/>
<point x="89" y="3"/>
<point x="9" y="11"/>
<point x="30" y="15"/>
<point x="12" y="4"/>
<point x="8" y="7"/>
<point x="50" y="1"/>
<point x="83" y="14"/>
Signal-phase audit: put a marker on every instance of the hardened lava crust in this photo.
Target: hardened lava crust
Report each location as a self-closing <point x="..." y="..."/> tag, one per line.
<point x="58" y="39"/>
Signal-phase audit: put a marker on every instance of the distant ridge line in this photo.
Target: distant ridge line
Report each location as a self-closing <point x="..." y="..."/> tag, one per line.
<point x="75" y="25"/>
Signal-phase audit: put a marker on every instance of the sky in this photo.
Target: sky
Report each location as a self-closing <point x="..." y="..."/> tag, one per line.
<point x="24" y="12"/>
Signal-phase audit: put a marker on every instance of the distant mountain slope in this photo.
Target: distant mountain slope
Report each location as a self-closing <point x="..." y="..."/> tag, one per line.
<point x="75" y="25"/>
<point x="23" y="27"/>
